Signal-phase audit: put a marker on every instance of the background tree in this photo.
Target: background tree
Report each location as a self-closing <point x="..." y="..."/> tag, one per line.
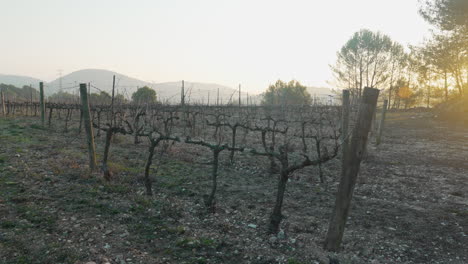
<point x="144" y="95"/>
<point x="406" y="96"/>
<point x="398" y="63"/>
<point x="63" y="97"/>
<point x="100" y="98"/>
<point x="291" y="93"/>
<point x="449" y="15"/>
<point x="450" y="45"/>
<point x="363" y="61"/>
<point x="26" y="93"/>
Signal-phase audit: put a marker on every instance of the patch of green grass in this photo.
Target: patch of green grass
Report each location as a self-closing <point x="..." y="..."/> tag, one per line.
<point x="3" y="159"/>
<point x="294" y="261"/>
<point x="146" y="228"/>
<point x="144" y="201"/>
<point x="105" y="208"/>
<point x="117" y="188"/>
<point x="207" y="242"/>
<point x="179" y="230"/>
<point x="37" y="216"/>
<point x="119" y="168"/>
<point x="200" y="243"/>
<point x="199" y="260"/>
<point x="30" y="253"/>
<point x="36" y="126"/>
<point x="9" y="189"/>
<point x="7" y="224"/>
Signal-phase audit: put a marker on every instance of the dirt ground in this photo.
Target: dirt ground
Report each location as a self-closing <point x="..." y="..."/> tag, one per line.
<point x="410" y="205"/>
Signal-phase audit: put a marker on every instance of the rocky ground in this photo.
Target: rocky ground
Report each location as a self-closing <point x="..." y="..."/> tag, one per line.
<point x="410" y="205"/>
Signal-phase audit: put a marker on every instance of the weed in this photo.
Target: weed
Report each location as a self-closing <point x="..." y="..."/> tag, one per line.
<point x="7" y="224"/>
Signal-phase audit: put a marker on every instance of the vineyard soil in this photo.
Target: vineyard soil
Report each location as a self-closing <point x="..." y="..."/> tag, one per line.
<point x="410" y="205"/>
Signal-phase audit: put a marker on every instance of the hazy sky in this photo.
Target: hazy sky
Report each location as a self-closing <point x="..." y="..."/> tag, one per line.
<point x="253" y="42"/>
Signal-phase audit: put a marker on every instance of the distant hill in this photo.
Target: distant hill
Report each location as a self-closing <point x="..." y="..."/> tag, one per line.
<point x="99" y="80"/>
<point x="168" y="91"/>
<point x="19" y="81"/>
<point x="196" y="92"/>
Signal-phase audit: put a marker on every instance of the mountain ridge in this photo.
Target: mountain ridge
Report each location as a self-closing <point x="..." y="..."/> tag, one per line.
<point x="195" y="92"/>
<point x="19" y="80"/>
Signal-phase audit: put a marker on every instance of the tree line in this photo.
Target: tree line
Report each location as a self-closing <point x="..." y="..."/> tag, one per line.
<point x="424" y="75"/>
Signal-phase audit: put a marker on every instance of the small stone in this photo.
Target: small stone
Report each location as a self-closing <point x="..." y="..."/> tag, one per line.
<point x="252" y="226"/>
<point x="281" y="234"/>
<point x="273" y="240"/>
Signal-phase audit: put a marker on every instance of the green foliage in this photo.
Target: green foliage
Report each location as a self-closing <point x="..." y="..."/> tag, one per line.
<point x="282" y="93"/>
<point x="446" y="14"/>
<point x="407" y="96"/>
<point x="16" y="94"/>
<point x="144" y="95"/>
<point x="101" y="98"/>
<point x="447" y="51"/>
<point x="294" y="261"/>
<point x="63" y="97"/>
<point x="365" y="61"/>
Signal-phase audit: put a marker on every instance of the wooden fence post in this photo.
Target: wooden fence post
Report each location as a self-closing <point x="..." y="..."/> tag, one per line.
<point x="88" y="126"/>
<point x="42" y="103"/>
<point x="2" y="95"/>
<point x="353" y="161"/>
<point x="239" y="95"/>
<point x="344" y="126"/>
<point x="182" y="94"/>
<point x="382" y="122"/>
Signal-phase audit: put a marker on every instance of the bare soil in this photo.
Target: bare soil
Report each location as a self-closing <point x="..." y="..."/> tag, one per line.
<point x="410" y="206"/>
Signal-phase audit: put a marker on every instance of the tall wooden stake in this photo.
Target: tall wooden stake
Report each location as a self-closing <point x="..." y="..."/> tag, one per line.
<point x="217" y="97"/>
<point x="382" y="122"/>
<point x="112" y="100"/>
<point x="344" y="128"/>
<point x="42" y="103"/>
<point x="3" y="102"/>
<point x="239" y="95"/>
<point x="353" y="162"/>
<point x="88" y="126"/>
<point x="182" y="95"/>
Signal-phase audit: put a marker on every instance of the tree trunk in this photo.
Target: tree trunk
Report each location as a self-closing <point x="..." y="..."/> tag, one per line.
<point x="234" y="132"/>
<point x="105" y="168"/>
<point x="149" y="161"/>
<point x="214" y="175"/>
<point x="50" y="115"/>
<point x="275" y="218"/>
<point x="319" y="156"/>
